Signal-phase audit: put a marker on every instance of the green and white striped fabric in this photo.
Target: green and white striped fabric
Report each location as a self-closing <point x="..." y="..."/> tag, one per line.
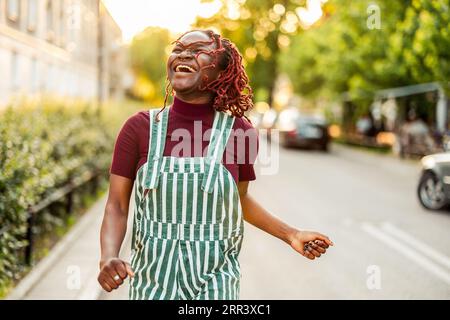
<point x="188" y="224"/>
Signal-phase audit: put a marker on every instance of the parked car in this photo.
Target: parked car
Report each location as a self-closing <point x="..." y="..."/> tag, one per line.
<point x="434" y="184"/>
<point x="307" y="132"/>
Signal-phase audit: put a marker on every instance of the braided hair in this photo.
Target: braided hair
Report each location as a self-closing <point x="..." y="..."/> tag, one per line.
<point x="231" y="89"/>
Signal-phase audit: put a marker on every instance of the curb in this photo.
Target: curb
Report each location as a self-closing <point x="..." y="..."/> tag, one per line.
<point x="37" y="272"/>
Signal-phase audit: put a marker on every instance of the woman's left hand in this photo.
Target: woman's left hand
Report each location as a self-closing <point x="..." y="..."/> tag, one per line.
<point x="310" y="244"/>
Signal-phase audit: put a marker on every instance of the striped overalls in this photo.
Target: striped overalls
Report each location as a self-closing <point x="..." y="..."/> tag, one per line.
<point x="188" y="224"/>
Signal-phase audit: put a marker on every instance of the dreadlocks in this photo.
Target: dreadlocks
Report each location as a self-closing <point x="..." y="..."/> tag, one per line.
<point x="231" y="89"/>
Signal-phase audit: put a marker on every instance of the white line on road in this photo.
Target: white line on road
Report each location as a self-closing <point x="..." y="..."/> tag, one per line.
<point x="416" y="244"/>
<point x="407" y="252"/>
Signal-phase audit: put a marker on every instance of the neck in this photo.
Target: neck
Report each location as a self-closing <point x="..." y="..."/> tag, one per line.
<point x="203" y="99"/>
<point x="192" y="110"/>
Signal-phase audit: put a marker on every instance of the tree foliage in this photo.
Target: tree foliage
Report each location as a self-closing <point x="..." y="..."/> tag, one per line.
<point x="260" y="29"/>
<point x="343" y="54"/>
<point x="148" y="56"/>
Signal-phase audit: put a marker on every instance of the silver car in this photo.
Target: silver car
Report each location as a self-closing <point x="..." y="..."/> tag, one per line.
<point x="434" y="184"/>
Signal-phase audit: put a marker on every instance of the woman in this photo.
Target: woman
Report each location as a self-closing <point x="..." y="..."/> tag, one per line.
<point x="190" y="202"/>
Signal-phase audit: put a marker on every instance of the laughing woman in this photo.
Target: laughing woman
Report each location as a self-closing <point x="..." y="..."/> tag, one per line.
<point x="190" y="201"/>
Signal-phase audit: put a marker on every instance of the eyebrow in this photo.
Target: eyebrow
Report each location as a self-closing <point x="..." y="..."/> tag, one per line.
<point x="196" y="44"/>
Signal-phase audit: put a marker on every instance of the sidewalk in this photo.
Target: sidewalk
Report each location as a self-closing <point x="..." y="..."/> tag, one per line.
<point x="70" y="270"/>
<point x="386" y="162"/>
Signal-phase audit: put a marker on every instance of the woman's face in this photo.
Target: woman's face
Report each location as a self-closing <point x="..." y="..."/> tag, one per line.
<point x="189" y="64"/>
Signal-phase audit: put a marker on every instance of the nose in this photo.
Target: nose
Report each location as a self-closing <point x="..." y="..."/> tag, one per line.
<point x="185" y="54"/>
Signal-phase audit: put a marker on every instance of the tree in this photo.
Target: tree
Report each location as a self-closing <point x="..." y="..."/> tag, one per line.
<point x="148" y="56"/>
<point x="421" y="43"/>
<point x="260" y="29"/>
<point x="343" y="54"/>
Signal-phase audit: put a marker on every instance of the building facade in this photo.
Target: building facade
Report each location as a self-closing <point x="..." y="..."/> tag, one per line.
<point x="58" y="48"/>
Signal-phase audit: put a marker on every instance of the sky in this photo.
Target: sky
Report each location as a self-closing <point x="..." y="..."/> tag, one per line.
<point x="176" y="15"/>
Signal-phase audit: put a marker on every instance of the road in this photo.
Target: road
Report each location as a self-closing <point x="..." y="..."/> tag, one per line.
<point x="386" y="245"/>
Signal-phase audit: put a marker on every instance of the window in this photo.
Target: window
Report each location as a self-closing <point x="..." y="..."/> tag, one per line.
<point x="32" y="15"/>
<point x="14" y="71"/>
<point x="49" y="20"/>
<point x="13" y="9"/>
<point x="42" y="78"/>
<point x="34" y="76"/>
<point x="73" y="23"/>
<point x="62" y="24"/>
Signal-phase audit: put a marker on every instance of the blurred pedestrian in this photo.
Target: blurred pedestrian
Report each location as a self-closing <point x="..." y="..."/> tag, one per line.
<point x="416" y="136"/>
<point x="366" y="126"/>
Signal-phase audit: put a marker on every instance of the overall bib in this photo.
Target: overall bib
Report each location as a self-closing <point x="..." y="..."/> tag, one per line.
<point x="188" y="224"/>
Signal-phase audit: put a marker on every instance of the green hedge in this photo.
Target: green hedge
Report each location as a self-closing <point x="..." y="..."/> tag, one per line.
<point x="41" y="147"/>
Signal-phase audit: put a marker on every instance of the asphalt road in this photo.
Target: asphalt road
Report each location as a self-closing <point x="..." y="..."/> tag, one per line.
<point x="386" y="245"/>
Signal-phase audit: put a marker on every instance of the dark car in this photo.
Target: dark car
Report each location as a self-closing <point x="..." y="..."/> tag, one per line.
<point x="307" y="132"/>
<point x="434" y="184"/>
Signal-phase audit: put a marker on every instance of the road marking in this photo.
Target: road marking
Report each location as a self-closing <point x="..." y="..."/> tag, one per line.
<point x="406" y="251"/>
<point x="416" y="244"/>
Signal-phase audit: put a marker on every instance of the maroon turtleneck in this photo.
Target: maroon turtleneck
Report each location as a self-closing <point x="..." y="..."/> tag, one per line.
<point x="131" y="147"/>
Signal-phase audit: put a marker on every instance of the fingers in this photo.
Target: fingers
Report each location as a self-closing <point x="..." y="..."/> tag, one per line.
<point x="321" y="244"/>
<point x="312" y="251"/>
<point x="120" y="269"/>
<point x="129" y="270"/>
<point x="113" y="274"/>
<point x="107" y="282"/>
<point x="317" y="247"/>
<point x="104" y="284"/>
<point x="307" y="252"/>
<point x="325" y="239"/>
<point x="308" y="255"/>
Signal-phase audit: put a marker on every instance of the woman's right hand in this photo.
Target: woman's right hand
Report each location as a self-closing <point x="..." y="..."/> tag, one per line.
<point x="112" y="273"/>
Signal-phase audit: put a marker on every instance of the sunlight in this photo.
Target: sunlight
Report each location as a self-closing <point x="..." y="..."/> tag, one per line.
<point x="311" y="14"/>
<point x="135" y="15"/>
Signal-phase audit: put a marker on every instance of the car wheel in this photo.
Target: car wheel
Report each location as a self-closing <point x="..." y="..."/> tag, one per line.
<point x="431" y="192"/>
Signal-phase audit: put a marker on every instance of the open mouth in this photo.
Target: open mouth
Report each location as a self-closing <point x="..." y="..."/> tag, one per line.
<point x="184" y="68"/>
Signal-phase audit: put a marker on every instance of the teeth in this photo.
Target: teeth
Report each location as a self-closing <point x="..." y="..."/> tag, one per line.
<point x="182" y="66"/>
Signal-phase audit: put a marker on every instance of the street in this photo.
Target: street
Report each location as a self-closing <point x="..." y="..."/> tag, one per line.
<point x="386" y="245"/>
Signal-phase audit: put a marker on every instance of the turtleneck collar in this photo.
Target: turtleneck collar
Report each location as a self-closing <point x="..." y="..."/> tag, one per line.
<point x="191" y="109"/>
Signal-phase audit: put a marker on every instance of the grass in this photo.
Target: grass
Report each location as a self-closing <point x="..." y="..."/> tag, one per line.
<point x="374" y="149"/>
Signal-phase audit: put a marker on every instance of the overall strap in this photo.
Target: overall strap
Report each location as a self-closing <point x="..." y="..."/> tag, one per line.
<point x="223" y="124"/>
<point x="157" y="140"/>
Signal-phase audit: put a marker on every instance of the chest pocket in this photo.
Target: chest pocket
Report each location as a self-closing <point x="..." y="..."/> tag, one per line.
<point x="180" y="199"/>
